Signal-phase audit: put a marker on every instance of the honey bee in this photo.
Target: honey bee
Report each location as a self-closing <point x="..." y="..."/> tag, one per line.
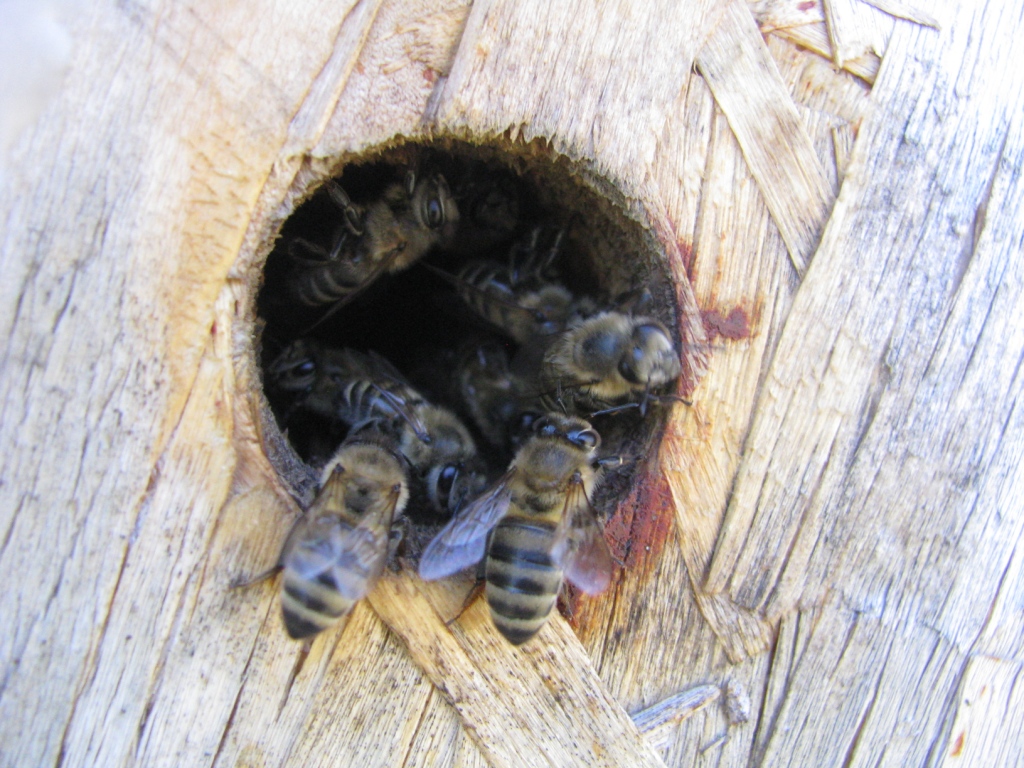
<point x="447" y="461"/>
<point x="491" y="394"/>
<point x="345" y="385"/>
<point x="607" y="361"/>
<point x="336" y="552"/>
<point x="520" y="298"/>
<point x="489" y="208"/>
<point x="364" y="389"/>
<point x="532" y="528"/>
<point x="387" y="236"/>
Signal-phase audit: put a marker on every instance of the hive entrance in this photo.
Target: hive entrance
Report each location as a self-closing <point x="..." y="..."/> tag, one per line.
<point x="416" y="320"/>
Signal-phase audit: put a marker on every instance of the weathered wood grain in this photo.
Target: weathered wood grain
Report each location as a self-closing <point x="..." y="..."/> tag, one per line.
<point x="746" y="84"/>
<point x="543" y="700"/>
<point x="855" y="29"/>
<point x="896" y="437"/>
<point x="803" y="23"/>
<point x="836" y="521"/>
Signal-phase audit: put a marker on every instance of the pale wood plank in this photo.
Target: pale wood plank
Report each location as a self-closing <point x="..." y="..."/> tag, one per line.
<point x="617" y="115"/>
<point x="406" y="55"/>
<point x="776" y="15"/>
<point x="747" y="86"/>
<point x="814" y="37"/>
<point x="904" y="10"/>
<point x="854" y="513"/>
<point x="855" y="28"/>
<point x="658" y="722"/>
<point x="440" y="738"/>
<point x="543" y="699"/>
<point x="987" y="728"/>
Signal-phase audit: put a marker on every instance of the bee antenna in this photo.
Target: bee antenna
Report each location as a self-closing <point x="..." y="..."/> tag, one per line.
<point x="645" y="400"/>
<point x="613" y="409"/>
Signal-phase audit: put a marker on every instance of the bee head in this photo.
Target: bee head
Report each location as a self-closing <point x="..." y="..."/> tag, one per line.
<point x="294" y="370"/>
<point x="435" y="206"/>
<point x="451" y="486"/>
<point x="574" y="431"/>
<point x="650" y="359"/>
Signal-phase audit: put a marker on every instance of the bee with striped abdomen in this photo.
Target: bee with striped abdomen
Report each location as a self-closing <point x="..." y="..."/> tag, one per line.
<point x="386" y="236"/>
<point x="361" y="389"/>
<point x="607" y="361"/>
<point x="344" y="385"/>
<point x="520" y="297"/>
<point x="336" y="552"/>
<point x="533" y="528"/>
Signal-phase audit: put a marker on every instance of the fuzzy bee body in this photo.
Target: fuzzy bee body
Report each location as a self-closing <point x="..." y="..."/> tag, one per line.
<point x="520" y="307"/>
<point x="344" y="385"/>
<point x="533" y="528"/>
<point x="387" y="236"/>
<point x="364" y="389"/>
<point x="606" y="360"/>
<point x="488" y="391"/>
<point x="335" y="554"/>
<point x="521" y="574"/>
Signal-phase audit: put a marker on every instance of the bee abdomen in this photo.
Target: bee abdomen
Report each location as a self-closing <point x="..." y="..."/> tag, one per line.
<point x="326" y="284"/>
<point x="357" y="401"/>
<point x="486" y="290"/>
<point x="522" y="578"/>
<point x="310" y="607"/>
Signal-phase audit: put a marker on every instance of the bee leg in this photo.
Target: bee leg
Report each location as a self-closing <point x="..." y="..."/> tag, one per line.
<point x="473" y="594"/>
<point x="240" y="583"/>
<point x="299" y="245"/>
<point x="353" y="219"/>
<point x="672" y="399"/>
<point x="396" y="543"/>
<point x="615" y="409"/>
<point x="610" y="462"/>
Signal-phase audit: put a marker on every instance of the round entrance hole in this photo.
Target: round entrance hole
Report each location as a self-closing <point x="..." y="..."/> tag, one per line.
<point x="520" y="206"/>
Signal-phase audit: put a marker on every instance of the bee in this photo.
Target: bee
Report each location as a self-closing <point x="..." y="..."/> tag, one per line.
<point x="489" y="208"/>
<point x="532" y="528"/>
<point x="607" y="361"/>
<point x="520" y="298"/>
<point x="364" y="389"/>
<point x="336" y="552"/>
<point x="491" y="393"/>
<point x="447" y="461"/>
<point x="345" y="385"/>
<point x="386" y="236"/>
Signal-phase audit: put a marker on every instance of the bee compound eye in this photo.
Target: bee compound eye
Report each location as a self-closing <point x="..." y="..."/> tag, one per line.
<point x="626" y="366"/>
<point x="446" y="481"/>
<point x="585" y="438"/>
<point x="544" y="427"/>
<point x="435" y="213"/>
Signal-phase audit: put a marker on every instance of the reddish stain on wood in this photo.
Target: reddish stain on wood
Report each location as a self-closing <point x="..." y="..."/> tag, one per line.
<point x="645" y="517"/>
<point x="958" y="746"/>
<point x="806" y="6"/>
<point x="636" y="533"/>
<point x="430" y="75"/>
<point x="735" y="325"/>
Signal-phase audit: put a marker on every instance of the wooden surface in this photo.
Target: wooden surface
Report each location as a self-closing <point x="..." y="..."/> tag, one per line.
<point x="833" y="529"/>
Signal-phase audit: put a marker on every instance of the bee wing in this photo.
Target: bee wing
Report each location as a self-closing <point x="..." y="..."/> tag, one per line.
<point x="580" y="547"/>
<point x="325" y="549"/>
<point x="377" y="271"/>
<point x="463" y="541"/>
<point x="397" y="391"/>
<point x="508" y="302"/>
